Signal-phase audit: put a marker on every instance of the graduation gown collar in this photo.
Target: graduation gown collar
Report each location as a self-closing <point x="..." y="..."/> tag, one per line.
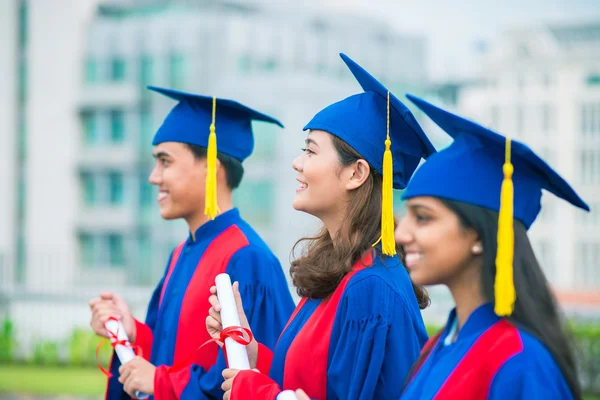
<point x="480" y="319"/>
<point x="220" y="223"/>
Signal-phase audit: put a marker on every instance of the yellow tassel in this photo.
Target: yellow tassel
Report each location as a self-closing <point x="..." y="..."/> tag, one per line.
<point x="387" y="204"/>
<point x="504" y="288"/>
<point x="211" y="209"/>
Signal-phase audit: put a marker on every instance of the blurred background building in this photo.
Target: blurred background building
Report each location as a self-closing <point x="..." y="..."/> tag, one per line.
<point x="79" y="216"/>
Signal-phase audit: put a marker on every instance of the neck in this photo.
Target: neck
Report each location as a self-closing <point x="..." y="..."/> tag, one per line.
<point x="333" y="222"/>
<point x="467" y="293"/>
<point x="198" y="219"/>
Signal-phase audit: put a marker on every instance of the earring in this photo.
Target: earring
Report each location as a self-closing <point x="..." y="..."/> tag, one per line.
<point x="476" y="249"/>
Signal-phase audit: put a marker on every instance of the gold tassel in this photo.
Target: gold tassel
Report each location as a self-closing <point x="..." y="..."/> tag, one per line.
<point x="388" y="243"/>
<point x="504" y="288"/>
<point x="211" y="209"/>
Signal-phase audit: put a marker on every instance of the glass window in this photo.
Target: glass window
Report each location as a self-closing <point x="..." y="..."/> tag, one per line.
<point x="146" y="71"/>
<point x="245" y="64"/>
<point x="176" y="71"/>
<point x="117" y="126"/>
<point x="116" y="188"/>
<point x="116" y="250"/>
<point x="90" y="131"/>
<point x="23" y="24"/>
<point x="256" y="201"/>
<point x="86" y="250"/>
<point x="117" y="70"/>
<point x="91" y="71"/>
<point x="265" y="140"/>
<point x="88" y="185"/>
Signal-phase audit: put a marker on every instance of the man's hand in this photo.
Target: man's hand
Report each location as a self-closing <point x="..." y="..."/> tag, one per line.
<point x="111" y="305"/>
<point x="137" y="375"/>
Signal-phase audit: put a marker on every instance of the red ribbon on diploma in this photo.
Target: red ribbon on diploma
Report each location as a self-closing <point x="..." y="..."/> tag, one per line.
<point x="241" y="335"/>
<point x="115" y="335"/>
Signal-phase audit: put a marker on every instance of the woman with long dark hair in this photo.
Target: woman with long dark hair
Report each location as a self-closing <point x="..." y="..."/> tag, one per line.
<point x="468" y="211"/>
<point x="358" y="326"/>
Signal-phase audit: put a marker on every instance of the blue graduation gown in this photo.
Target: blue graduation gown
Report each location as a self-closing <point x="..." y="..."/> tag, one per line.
<point x="491" y="359"/>
<point x="376" y="335"/>
<point x="175" y="322"/>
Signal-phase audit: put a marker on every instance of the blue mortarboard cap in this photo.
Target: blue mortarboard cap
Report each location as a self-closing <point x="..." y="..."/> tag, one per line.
<point x="189" y="122"/>
<point x="361" y="121"/>
<point x="470" y="169"/>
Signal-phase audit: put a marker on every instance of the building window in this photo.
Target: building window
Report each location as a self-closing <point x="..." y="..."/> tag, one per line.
<point x="117" y="70"/>
<point x="545" y="253"/>
<point x="116" y="188"/>
<point x="495" y="117"/>
<point x="244" y="64"/>
<point x="116" y="250"/>
<point x="265" y="140"/>
<point x="590" y="119"/>
<point x="589" y="166"/>
<point x="88" y="185"/>
<point x="593" y="80"/>
<point x="117" y="126"/>
<point x="270" y="64"/>
<point x="90" y="130"/>
<point x="587" y="274"/>
<point x="146" y="71"/>
<point x="520" y="120"/>
<point x="146" y="129"/>
<point x="176" y="71"/>
<point x="86" y="250"/>
<point x="256" y="201"/>
<point x="22" y="82"/>
<point x="591" y="218"/>
<point x="146" y="191"/>
<point x="91" y="71"/>
<point x="23" y="24"/>
<point x="548" y="118"/>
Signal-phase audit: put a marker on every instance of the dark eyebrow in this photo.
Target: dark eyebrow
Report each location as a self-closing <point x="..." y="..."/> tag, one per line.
<point x="310" y="141"/>
<point x="161" y="154"/>
<point x="417" y="207"/>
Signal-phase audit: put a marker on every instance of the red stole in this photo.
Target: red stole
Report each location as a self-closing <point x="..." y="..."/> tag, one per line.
<point x="308" y="356"/>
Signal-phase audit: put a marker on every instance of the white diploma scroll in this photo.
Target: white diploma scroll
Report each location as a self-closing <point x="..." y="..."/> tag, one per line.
<point x="124" y="352"/>
<point x="287" y="395"/>
<point x="237" y="357"/>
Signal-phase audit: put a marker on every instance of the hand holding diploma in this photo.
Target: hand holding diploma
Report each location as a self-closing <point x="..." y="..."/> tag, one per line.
<point x="215" y="324"/>
<point x="136" y="374"/>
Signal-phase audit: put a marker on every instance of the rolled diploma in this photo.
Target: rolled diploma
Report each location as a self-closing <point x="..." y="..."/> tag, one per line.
<point x="125" y="353"/>
<point x="287" y="395"/>
<point x="237" y="356"/>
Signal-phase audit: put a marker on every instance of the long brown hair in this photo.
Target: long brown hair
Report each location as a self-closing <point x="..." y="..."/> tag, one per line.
<point x="318" y="272"/>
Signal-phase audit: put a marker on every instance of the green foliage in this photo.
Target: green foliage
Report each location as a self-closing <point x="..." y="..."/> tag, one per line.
<point x="8" y="341"/>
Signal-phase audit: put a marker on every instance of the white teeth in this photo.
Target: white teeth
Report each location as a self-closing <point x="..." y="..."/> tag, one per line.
<point x="161" y="196"/>
<point x="413" y="257"/>
<point x="303" y="185"/>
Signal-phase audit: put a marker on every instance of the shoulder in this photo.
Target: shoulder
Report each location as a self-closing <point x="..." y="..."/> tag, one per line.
<point x="375" y="290"/>
<point x="531" y="369"/>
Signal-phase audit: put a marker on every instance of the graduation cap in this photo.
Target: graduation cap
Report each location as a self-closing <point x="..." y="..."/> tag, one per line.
<point x="486" y="169"/>
<point x="382" y="130"/>
<point x="193" y="120"/>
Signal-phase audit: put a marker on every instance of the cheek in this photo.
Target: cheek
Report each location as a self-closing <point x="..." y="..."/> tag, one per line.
<point x="444" y="256"/>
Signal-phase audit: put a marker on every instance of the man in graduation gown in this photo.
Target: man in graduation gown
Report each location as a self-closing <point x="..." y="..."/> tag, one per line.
<point x="195" y="178"/>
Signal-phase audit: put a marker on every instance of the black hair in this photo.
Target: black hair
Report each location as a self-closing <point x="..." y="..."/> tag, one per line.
<point x="536" y="310"/>
<point x="234" y="170"/>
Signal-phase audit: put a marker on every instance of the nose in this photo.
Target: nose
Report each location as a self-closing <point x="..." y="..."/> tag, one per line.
<point x="297" y="164"/>
<point x="155" y="177"/>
